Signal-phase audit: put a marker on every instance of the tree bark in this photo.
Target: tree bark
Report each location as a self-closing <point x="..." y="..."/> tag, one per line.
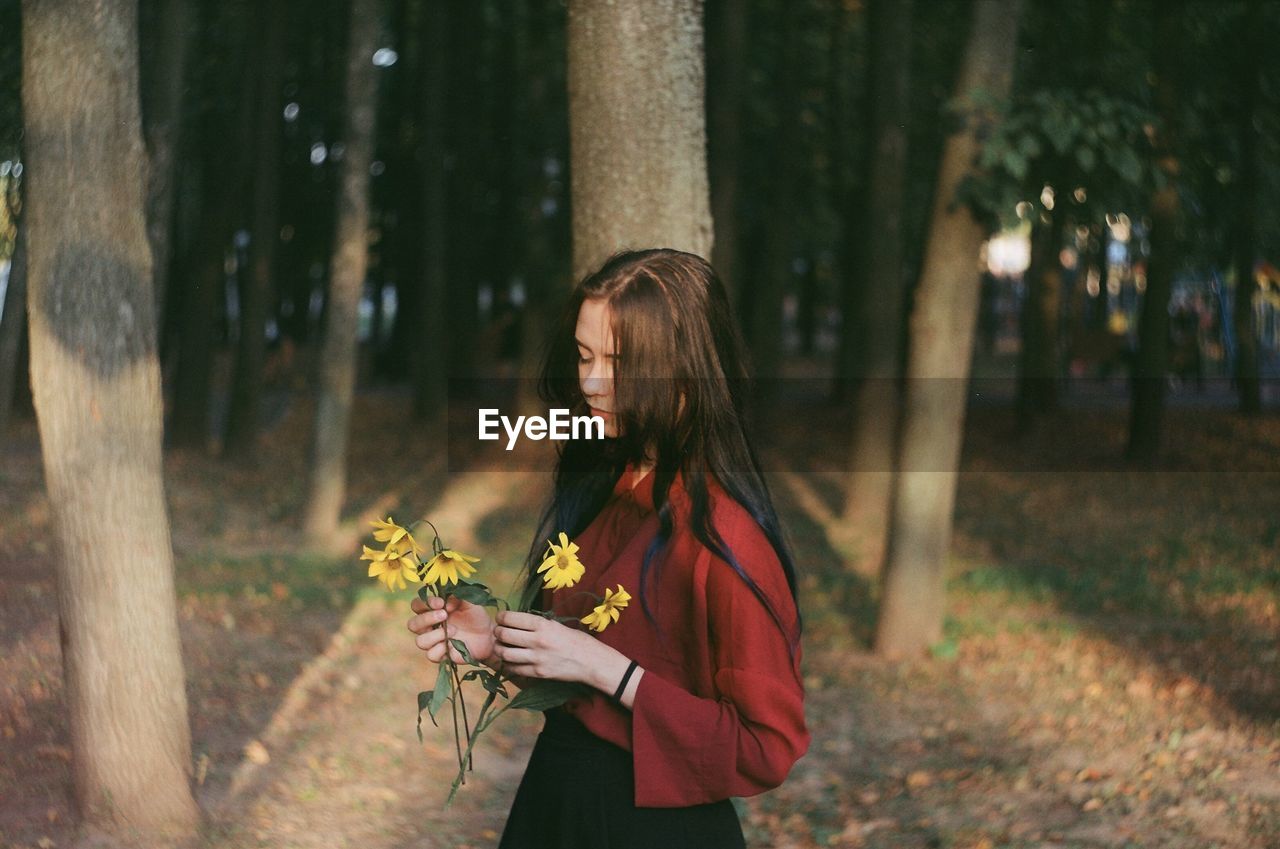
<point x="427" y="369"/>
<point x="257" y="291"/>
<point x="350" y="262"/>
<point x="877" y="405"/>
<point x="163" y="90"/>
<point x="637" y="129"/>
<point x="1244" y="249"/>
<point x="203" y="267"/>
<point x="1152" y="361"/>
<point x="726" y="84"/>
<point x="1037" y="391"/>
<point x="97" y="394"/>
<point x="763" y="306"/>
<point x="13" y="324"/>
<point x="850" y="158"/>
<point x="941" y="344"/>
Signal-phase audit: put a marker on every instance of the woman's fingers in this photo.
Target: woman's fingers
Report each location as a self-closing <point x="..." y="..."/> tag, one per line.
<point x="513" y="636"/>
<point x="417" y="605"/>
<point x="424" y="622"/>
<point x="430" y="638"/>
<point x="522" y="621"/>
<point x="514" y="656"/>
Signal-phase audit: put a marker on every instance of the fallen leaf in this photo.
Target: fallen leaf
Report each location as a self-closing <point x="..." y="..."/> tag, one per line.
<point x="919" y="778"/>
<point x="257" y="753"/>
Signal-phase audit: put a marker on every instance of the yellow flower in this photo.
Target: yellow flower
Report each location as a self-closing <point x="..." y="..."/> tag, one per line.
<point x="607" y="610"/>
<point x="446" y="566"/>
<point x="391" y="533"/>
<point x="562" y="565"/>
<point x="394" y="565"/>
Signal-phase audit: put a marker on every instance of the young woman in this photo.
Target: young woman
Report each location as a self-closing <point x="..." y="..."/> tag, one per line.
<point x="697" y="694"/>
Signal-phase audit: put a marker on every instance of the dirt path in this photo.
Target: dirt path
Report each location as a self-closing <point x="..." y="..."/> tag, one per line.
<point x="1064" y="712"/>
<point x="338" y="764"/>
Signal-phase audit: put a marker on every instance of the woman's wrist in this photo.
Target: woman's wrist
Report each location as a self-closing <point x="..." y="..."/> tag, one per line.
<point x="607" y="673"/>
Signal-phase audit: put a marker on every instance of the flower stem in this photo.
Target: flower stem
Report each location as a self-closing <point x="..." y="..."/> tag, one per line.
<point x="466" y="726"/>
<point x="453" y="703"/>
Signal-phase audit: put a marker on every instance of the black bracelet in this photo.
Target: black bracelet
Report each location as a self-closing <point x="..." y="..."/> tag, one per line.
<point x="617" y="694"/>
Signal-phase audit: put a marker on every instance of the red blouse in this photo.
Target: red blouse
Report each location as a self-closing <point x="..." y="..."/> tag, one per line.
<point x="719" y="711"/>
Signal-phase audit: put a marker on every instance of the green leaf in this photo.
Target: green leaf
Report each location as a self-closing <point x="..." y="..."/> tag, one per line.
<point x="462" y="649"/>
<point x="443" y="690"/>
<point x="546" y="694"/>
<point x="945" y="650"/>
<point x="1016" y="164"/>
<point x="423" y="593"/>
<point x="1128" y="165"/>
<point x="424" y="699"/>
<point x="473" y="594"/>
<point x="1087" y="158"/>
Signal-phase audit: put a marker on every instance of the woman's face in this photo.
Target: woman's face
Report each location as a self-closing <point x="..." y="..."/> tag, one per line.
<point x="596" y="357"/>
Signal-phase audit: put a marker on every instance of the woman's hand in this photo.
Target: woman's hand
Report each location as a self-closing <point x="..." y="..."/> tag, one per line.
<point x="467" y="622"/>
<point x="535" y="647"/>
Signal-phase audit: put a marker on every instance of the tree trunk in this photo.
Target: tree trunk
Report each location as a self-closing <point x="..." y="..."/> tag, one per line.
<point x="163" y="89"/>
<point x="203" y="268"/>
<point x="1247" y="367"/>
<point x="941" y="344"/>
<point x="726" y="83"/>
<point x="257" y="291"/>
<point x="850" y="158"/>
<point x="1151" y="365"/>
<point x="97" y="394"/>
<point x="13" y="324"/>
<point x="763" y="306"/>
<point x="468" y="156"/>
<point x="877" y="406"/>
<point x="1037" y="391"/>
<point x="350" y="261"/>
<point x="636" y="126"/>
<point x="427" y="368"/>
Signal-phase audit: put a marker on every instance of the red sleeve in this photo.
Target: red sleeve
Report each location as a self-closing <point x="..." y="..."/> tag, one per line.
<point x="691" y="750"/>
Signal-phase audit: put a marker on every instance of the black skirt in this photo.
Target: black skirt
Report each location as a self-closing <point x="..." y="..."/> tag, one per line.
<point x="579" y="791"/>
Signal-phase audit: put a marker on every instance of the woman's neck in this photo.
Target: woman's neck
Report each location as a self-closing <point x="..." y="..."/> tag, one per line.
<point x="642" y="468"/>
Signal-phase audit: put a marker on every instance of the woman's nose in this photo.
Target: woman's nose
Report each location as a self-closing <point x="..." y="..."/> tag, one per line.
<point x="593" y="386"/>
<point x="596" y="382"/>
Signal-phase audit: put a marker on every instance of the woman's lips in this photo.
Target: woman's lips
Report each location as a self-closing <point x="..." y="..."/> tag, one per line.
<point x="596" y="411"/>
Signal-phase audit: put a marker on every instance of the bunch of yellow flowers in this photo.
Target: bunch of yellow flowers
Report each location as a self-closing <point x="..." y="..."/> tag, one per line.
<point x="448" y="573"/>
<point x="400" y="561"/>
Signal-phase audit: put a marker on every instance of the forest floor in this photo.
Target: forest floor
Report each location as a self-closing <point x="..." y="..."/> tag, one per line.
<point x="1110" y="675"/>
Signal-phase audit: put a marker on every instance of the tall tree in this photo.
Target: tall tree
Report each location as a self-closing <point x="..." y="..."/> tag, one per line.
<point x="200" y="286"/>
<point x="850" y="157"/>
<point x="350" y="261"/>
<point x="256" y="293"/>
<point x="1151" y="364"/>
<point x="163" y="81"/>
<point x="778" y="231"/>
<point x="1248" y="59"/>
<point x="426" y="371"/>
<point x="1037" y="390"/>
<point x="97" y="394"/>
<point x="876" y="403"/>
<point x="940" y="346"/>
<point x="726" y="85"/>
<point x="13" y="324"/>
<point x="637" y="129"/>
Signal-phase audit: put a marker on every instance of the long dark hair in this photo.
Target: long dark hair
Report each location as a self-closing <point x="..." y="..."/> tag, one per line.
<point x="680" y="388"/>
